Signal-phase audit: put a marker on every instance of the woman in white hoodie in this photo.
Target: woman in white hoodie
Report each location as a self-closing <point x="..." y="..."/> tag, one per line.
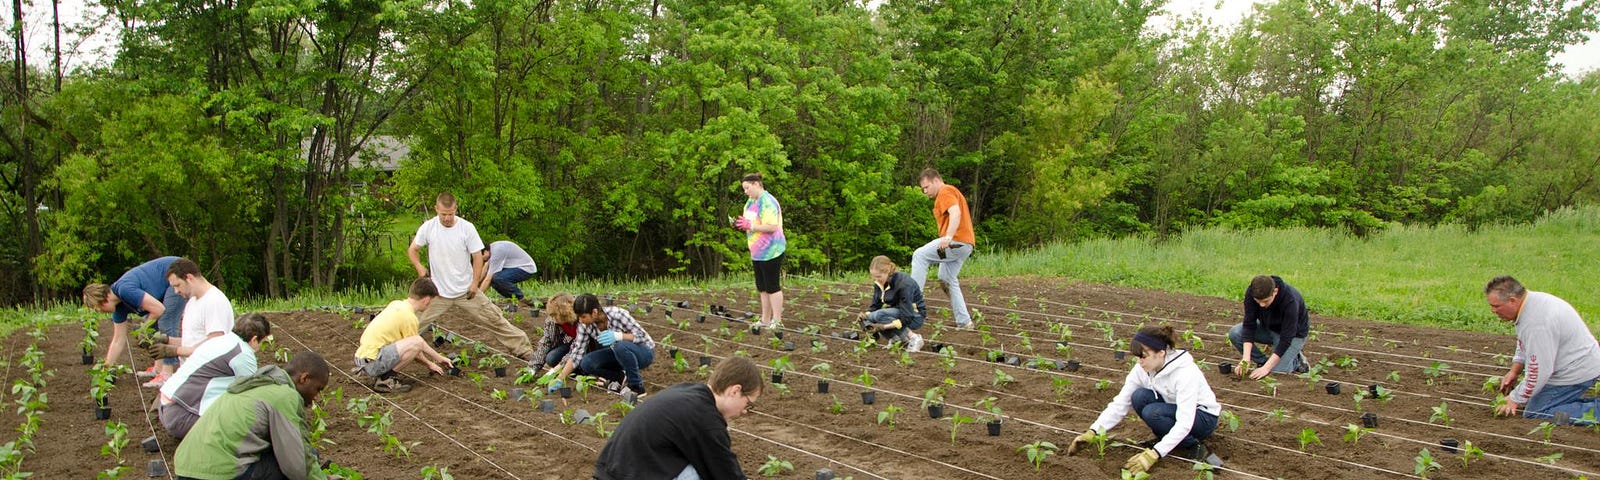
<point x="1171" y="395"/>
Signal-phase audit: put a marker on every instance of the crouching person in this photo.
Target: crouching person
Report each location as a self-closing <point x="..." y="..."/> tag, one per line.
<point x="1169" y="393"/>
<point x="257" y="429"/>
<point x="208" y="373"/>
<point x="897" y="308"/>
<point x="560" y="327"/>
<point x="610" y="344"/>
<point x="391" y="340"/>
<point x="682" y="432"/>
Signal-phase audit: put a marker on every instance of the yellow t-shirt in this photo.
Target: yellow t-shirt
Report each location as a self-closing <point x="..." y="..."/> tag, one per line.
<point x="397" y="321"/>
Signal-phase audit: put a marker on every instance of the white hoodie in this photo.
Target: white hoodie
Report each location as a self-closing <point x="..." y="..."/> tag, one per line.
<point x="1180" y="381"/>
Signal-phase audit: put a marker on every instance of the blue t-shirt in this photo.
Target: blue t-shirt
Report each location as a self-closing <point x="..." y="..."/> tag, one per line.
<point x="147" y="278"/>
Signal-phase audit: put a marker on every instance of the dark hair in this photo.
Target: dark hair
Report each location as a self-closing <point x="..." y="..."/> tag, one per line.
<point x="1163" y="333"/>
<point x="445" y="199"/>
<point x="252" y="325"/>
<point x="424" y="288"/>
<point x="183" y="267"/>
<point x="1262" y="286"/>
<point x="736" y="371"/>
<point x="309" y="362"/>
<point x="929" y="174"/>
<point x="751" y="177"/>
<point x="586" y="303"/>
<point x="1505" y="287"/>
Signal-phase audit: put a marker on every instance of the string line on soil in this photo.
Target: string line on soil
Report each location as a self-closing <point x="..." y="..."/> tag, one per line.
<point x="802" y="374"/>
<point x="878" y="445"/>
<point x="144" y="410"/>
<point x="393" y="404"/>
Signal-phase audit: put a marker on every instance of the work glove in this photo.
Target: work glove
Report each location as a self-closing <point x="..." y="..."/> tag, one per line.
<point x="1079" y="442"/>
<point x="153" y="339"/>
<point x="554" y="385"/>
<point x="742" y="223"/>
<point x="162" y="350"/>
<point x="606" y="338"/>
<point x="1142" y="462"/>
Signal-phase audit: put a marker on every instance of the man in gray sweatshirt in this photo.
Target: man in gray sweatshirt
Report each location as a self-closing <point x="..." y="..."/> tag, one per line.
<point x="1555" y="350"/>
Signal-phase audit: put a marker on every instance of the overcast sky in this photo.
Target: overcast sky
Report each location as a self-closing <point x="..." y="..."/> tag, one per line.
<point x="1575" y="60"/>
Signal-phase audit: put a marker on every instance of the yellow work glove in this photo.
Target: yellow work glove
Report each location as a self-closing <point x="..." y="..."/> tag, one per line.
<point x="1142" y="462"/>
<point x="1078" y="442"/>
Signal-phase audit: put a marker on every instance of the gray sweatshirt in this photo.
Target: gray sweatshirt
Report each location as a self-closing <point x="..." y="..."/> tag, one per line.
<point x="1554" y="344"/>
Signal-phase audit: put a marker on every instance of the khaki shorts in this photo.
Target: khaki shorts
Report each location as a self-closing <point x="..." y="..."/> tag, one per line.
<point x="388" y="357"/>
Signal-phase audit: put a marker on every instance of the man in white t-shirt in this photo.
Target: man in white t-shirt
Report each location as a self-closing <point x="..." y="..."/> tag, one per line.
<point x="208" y="314"/>
<point x="509" y="265"/>
<point x="455" y="262"/>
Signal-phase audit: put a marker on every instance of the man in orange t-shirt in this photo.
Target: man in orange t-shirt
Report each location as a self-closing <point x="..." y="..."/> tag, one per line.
<point x="952" y="248"/>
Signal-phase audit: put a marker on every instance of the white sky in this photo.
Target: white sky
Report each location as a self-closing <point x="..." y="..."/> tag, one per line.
<point x="1226" y="13"/>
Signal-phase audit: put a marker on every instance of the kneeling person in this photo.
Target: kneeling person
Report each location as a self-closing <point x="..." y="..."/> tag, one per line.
<point x="257" y="429"/>
<point x="391" y="341"/>
<point x="209" y="372"/>
<point x="1169" y="393"/>
<point x="610" y="344"/>
<point x="897" y="307"/>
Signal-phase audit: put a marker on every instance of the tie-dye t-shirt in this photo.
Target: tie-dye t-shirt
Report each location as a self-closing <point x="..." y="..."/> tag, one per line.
<point x="764" y="210"/>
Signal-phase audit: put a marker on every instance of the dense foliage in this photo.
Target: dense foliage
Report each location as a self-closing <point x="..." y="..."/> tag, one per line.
<point x="608" y="137"/>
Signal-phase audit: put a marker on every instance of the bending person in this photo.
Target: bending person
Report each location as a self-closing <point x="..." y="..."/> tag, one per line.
<point x="682" y="432"/>
<point x="1169" y="393"/>
<point x="258" y="429"/>
<point x="141" y="291"/>
<point x="1555" y="350"/>
<point x="213" y="367"/>
<point x="391" y="340"/>
<point x="897" y="308"/>
<point x="1274" y="315"/>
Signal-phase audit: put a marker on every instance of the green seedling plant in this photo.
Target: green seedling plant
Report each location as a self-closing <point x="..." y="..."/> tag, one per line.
<point x="780" y="365"/>
<point x="837" y="408"/>
<point x="1195" y="343"/>
<point x="116" y="440"/>
<point x="1127" y="475"/>
<point x="1101" y="442"/>
<point x="1062" y="386"/>
<point x="493" y="361"/>
<point x="1269" y="384"/>
<point x="934" y="396"/>
<point x="1358" y="397"/>
<point x="886" y="416"/>
<point x="1394" y="376"/>
<point x="432" y="472"/>
<point x="602" y="427"/>
<point x="774" y="343"/>
<point x="992" y="411"/>
<point x="1037" y="452"/>
<point x="498" y="394"/>
<point x="1546" y="429"/>
<point x="1102" y="384"/>
<point x="1469" y="452"/>
<point x="1346" y="362"/>
<point x="1440" y="414"/>
<point x="947" y="360"/>
<point x="1001" y="378"/>
<point x="679" y="364"/>
<point x="956" y="420"/>
<point x="865" y="379"/>
<point x="775" y="467"/>
<point x="1353" y="433"/>
<point x="1551" y="459"/>
<point x="1278" y="414"/>
<point x="1491" y="385"/>
<point x="1308" y="437"/>
<point x="1230" y="419"/>
<point x="1435" y="370"/>
<point x="476" y="379"/>
<point x="782" y="388"/>
<point x="1204" y="471"/>
<point x="824" y="370"/>
<point x="1425" y="464"/>
<point x="904" y="359"/>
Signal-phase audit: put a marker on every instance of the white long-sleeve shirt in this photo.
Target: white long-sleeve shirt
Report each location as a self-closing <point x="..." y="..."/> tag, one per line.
<point x="1180" y="381"/>
<point x="1554" y="346"/>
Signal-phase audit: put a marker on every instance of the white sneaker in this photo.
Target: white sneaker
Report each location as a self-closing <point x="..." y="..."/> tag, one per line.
<point x="914" y="344"/>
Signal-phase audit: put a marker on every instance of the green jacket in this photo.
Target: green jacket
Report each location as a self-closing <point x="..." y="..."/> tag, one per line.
<point x="260" y="414"/>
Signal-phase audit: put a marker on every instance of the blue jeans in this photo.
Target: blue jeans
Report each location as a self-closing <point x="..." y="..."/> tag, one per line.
<point x="505" y="281"/>
<point x="1568" y="399"/>
<point x="171" y="320"/>
<point x="1269" y="338"/>
<point x="556" y="354"/>
<point x="1161" y="416"/>
<point x="949" y="267"/>
<point x="622" y="360"/>
<point x="887" y="315"/>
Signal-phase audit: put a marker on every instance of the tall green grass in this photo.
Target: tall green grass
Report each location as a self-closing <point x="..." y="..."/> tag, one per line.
<point x="1407" y="274"/>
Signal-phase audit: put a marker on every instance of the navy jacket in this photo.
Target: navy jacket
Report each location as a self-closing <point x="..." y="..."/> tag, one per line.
<point x="1287" y="316"/>
<point x="903" y="294"/>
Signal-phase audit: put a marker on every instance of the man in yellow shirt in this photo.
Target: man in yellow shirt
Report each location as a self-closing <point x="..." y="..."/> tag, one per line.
<point x="391" y="341"/>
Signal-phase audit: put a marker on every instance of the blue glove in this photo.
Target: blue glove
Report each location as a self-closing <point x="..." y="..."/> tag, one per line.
<point x="607" y="338"/>
<point x="554" y="385"/>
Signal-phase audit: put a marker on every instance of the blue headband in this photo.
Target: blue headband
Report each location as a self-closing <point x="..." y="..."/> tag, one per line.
<point x="1150" y="341"/>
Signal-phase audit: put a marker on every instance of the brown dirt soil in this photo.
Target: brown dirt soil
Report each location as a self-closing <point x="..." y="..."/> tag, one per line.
<point x="457" y="424"/>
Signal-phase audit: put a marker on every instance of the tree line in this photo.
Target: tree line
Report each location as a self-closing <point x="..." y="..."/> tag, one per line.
<point x="608" y="136"/>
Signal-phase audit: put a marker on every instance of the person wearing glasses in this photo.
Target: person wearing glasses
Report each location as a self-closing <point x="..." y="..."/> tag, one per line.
<point x="681" y="433"/>
<point x="1169" y="393"/>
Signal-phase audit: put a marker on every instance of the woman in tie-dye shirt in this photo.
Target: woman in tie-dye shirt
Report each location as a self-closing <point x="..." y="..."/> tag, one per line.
<point x="762" y="223"/>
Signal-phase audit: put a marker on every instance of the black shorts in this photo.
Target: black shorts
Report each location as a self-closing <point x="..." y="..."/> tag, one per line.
<point x="768" y="274"/>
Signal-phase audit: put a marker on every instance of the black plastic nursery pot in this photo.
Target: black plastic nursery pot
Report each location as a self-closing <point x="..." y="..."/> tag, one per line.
<point x="672" y="353"/>
<point x="499" y="371"/>
<point x="705" y="360"/>
<point x="787" y="347"/>
<point x="156" y="468"/>
<point x="1369" y="420"/>
<point x="1119" y="354"/>
<point x="1226" y="368"/>
<point x="936" y="411"/>
<point x="822" y="386"/>
<point x="777" y="378"/>
<point x="1373" y="389"/>
<point x="455" y="371"/>
<point x="1450" y="445"/>
<point x="102" y="413"/>
<point x="868" y="397"/>
<point x="683" y="304"/>
<point x="547" y="405"/>
<point x="439" y="341"/>
<point x="1074" y="365"/>
<point x="777" y="333"/>
<point x="566" y="392"/>
<point x="150" y="444"/>
<point x="702" y="319"/>
<point x="1012" y="360"/>
<point x="519" y="394"/>
<point x="825" y="474"/>
<point x="1333" y="388"/>
<point x="88" y="359"/>
<point x="994" y="428"/>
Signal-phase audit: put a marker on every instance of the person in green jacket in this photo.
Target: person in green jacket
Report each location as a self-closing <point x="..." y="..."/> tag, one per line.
<point x="257" y="430"/>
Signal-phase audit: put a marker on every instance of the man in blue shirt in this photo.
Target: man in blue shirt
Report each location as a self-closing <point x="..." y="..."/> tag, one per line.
<point x="142" y="291"/>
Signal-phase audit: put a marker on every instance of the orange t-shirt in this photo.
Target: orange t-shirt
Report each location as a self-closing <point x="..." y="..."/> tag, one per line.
<point x="950" y="195"/>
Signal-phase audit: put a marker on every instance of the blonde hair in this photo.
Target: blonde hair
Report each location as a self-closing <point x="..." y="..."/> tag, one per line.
<point x="882" y="264"/>
<point x="559" y="308"/>
<point x="95" y="294"/>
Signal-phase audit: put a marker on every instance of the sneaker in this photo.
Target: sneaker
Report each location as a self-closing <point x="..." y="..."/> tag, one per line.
<point x="966" y="326"/>
<point x="148" y="372"/>
<point x="614" y="386"/>
<point x="915" y="344"/>
<point x="390" y="385"/>
<point x="1199" y="452"/>
<point x="1301" y="366"/>
<point x="637" y="390"/>
<point x="156" y="382"/>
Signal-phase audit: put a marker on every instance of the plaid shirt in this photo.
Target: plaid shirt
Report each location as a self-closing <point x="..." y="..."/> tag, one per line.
<point x="619" y="320"/>
<point x="554" y="336"/>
